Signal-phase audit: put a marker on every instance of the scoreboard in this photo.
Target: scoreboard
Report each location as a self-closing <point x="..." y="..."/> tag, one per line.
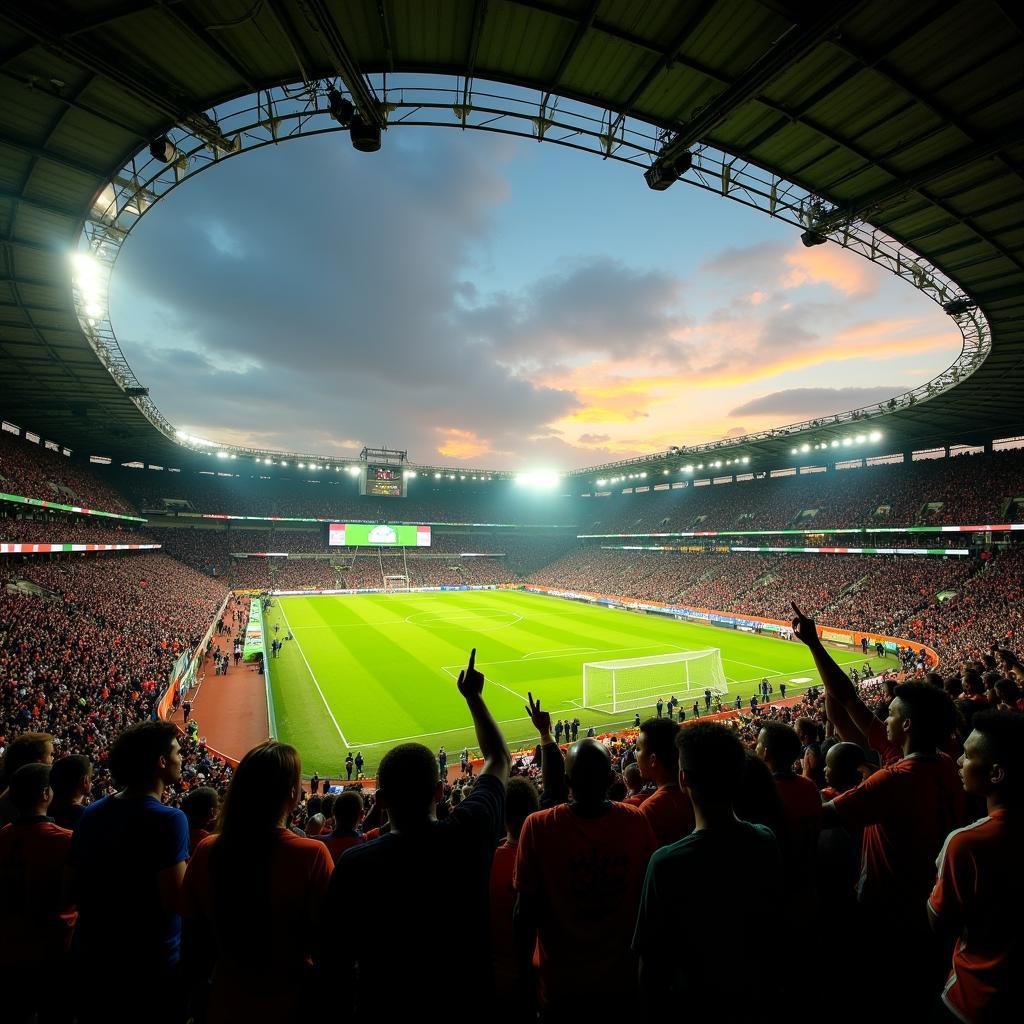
<point x="382" y="481"/>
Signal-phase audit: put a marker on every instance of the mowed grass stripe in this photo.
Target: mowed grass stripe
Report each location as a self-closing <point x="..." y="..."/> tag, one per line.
<point x="386" y="664"/>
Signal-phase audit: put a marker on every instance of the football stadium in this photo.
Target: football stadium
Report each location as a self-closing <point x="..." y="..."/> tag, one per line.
<point x="450" y="575"/>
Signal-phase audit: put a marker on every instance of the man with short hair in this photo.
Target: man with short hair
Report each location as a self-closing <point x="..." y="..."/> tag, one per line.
<point x="359" y="763"/>
<point x="778" y="745"/>
<point x="35" y="921"/>
<point x="678" y="961"/>
<point x="422" y="879"/>
<point x="579" y="869"/>
<point x="127" y="862"/>
<point x="201" y="806"/>
<point x="668" y="809"/>
<point x="348" y="766"/>
<point x="979" y="892"/>
<point x="28" y="748"/>
<point x="634" y="784"/>
<point x="71" y="782"/>
<point x="906" y="809"/>
<point x="348" y="813"/>
<point x="660" y="705"/>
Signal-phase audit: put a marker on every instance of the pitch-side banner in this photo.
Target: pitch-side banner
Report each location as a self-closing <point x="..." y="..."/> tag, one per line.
<point x="52" y="549"/>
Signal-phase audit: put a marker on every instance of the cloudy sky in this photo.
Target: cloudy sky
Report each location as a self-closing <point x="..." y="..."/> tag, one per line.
<point x="494" y="303"/>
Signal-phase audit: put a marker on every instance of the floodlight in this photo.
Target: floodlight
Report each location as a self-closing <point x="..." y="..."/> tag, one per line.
<point x="662" y="173"/>
<point x="810" y="237"/>
<point x="365" y="137"/>
<point x="601" y="483"/>
<point x="718" y="464"/>
<point x="266" y="462"/>
<point x="860" y="439"/>
<point x="222" y="455"/>
<point x="302" y="465"/>
<point x="341" y="109"/>
<point x="746" y="459"/>
<point x="847" y="442"/>
<point x="664" y="472"/>
<point x="875" y="435"/>
<point x="957" y="307"/>
<point x="700" y="465"/>
<point x="138" y="392"/>
<point x="353" y="470"/>
<point x="689" y="469"/>
<point x="283" y="463"/>
<point x="805" y="447"/>
<point x="835" y="444"/>
<point x="437" y="476"/>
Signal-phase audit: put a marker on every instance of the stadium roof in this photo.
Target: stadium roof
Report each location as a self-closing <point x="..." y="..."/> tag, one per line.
<point x="905" y="116"/>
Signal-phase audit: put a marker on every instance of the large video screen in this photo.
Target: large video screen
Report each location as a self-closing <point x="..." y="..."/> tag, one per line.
<point x="383" y="482"/>
<point x="378" y="535"/>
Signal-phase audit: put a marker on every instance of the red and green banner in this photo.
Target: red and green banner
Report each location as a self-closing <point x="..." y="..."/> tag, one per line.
<point x="819" y="532"/>
<point x="57" y="507"/>
<point x="56" y="549"/>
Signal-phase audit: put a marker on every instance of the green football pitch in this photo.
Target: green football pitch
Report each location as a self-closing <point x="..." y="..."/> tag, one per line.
<point x="367" y="671"/>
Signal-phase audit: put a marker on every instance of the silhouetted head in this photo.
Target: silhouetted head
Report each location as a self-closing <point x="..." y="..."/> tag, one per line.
<point x="588" y="767"/>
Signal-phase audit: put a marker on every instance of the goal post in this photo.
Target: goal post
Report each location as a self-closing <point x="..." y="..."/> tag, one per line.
<point x="631" y="683"/>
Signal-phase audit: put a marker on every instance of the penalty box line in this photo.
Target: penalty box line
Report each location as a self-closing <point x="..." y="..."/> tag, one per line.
<point x="312" y="675"/>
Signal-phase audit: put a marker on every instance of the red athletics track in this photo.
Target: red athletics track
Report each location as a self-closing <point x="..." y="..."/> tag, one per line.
<point x="231" y="709"/>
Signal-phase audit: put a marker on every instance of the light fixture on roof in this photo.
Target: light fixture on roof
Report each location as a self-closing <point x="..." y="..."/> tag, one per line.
<point x="805" y="447"/>
<point x="365" y="137"/>
<point x="810" y="237"/>
<point x="283" y="463"/>
<point x="437" y="476"/>
<point x="875" y="435"/>
<point x="663" y="173"/>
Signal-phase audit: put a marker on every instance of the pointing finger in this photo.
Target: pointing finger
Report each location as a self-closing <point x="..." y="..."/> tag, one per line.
<point x="472" y="659"/>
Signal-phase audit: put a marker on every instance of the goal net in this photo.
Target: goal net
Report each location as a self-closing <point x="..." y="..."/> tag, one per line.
<point x="632" y="683"/>
<point x="396" y="584"/>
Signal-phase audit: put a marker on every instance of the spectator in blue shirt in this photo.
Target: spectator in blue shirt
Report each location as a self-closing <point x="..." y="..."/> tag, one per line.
<point x="127" y="863"/>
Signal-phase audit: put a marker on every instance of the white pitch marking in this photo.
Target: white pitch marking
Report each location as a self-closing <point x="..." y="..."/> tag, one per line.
<point x="315" y="683"/>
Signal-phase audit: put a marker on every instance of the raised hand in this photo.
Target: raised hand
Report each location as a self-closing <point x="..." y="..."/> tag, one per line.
<point x="541" y="719"/>
<point x="471" y="682"/>
<point x="804" y="628"/>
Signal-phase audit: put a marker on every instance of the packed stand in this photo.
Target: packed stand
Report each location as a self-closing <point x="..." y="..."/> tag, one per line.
<point x="70" y="530"/>
<point x="34" y="471"/>
<point x="95" y="657"/>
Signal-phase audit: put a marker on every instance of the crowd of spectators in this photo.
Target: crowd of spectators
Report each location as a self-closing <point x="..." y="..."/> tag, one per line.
<point x="33" y="471"/>
<point x="897" y="596"/>
<point x="966" y="490"/>
<point x="68" y="529"/>
<point x="557" y="874"/>
<point x="92" y="656"/>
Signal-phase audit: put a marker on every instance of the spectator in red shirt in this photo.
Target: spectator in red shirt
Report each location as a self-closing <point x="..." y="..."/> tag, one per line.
<point x="980" y="889"/>
<point x="521" y="800"/>
<point x="252" y="894"/>
<point x="634" y="781"/>
<point x="201" y="806"/>
<point x="348" y="814"/>
<point x="578" y="873"/>
<point x="905" y="810"/>
<point x="35" y="922"/>
<point x="779" y="747"/>
<point x="668" y="809"/>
